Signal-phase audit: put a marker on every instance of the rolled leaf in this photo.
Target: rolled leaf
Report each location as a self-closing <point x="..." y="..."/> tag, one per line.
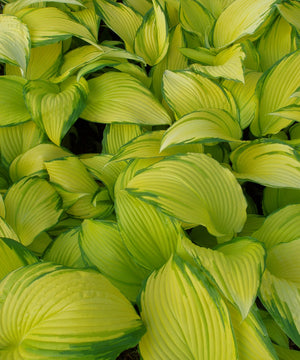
<point x="179" y="297"/>
<point x="32" y="206"/>
<point x="52" y="311"/>
<point x="196" y="189"/>
<point x="120" y="98"/>
<point x="270" y="163"/>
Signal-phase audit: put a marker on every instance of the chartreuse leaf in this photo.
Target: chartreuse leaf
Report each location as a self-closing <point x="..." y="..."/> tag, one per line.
<point x="290" y="10"/>
<point x="275" y="199"/>
<point x="245" y="19"/>
<point x="245" y="97"/>
<point x="15" y="42"/>
<point x="50" y="25"/>
<point x="65" y="250"/>
<point x="14" y="255"/>
<point x="278" y="41"/>
<point x="15" y="6"/>
<point x="121" y="98"/>
<point x="251" y="336"/>
<point x="280" y="287"/>
<point x="50" y="311"/>
<point x="201" y="127"/>
<point x="226" y="64"/>
<point x="6" y="230"/>
<point x="196" y="189"/>
<point x="148" y="146"/>
<point x="151" y="41"/>
<point x="40" y="244"/>
<point x="216" y="7"/>
<point x="274" y="90"/>
<point x="16" y="140"/>
<point x="80" y="192"/>
<point x="89" y="19"/>
<point x="286" y="353"/>
<point x="157" y="233"/>
<point x="196" y="18"/>
<point x="56" y="108"/>
<point x="32" y="206"/>
<point x="141" y="6"/>
<point x="24" y="166"/>
<point x="235" y="267"/>
<point x="121" y="19"/>
<point x="103" y="247"/>
<point x="186" y="92"/>
<point x="13" y="108"/>
<point x="184" y="315"/>
<point x="252" y="60"/>
<point x="270" y="163"/>
<point x="275" y="333"/>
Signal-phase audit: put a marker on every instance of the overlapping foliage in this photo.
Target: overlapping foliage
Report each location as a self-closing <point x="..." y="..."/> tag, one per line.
<point x="181" y="234"/>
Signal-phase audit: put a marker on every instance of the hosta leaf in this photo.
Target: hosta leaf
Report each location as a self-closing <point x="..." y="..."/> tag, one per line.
<point x="245" y="97"/>
<point x="280" y="287"/>
<point x="245" y="18"/>
<point x="275" y="333"/>
<point x="253" y="223"/>
<point x="179" y="297"/>
<point x="226" y="64"/>
<point x="13" y="255"/>
<point x="13" y="108"/>
<point x="151" y="40"/>
<point x="40" y="244"/>
<point x="89" y="19"/>
<point x="120" y="98"/>
<point x="24" y="166"/>
<point x="6" y="231"/>
<point x="157" y="233"/>
<point x="141" y="6"/>
<point x="281" y="226"/>
<point x="56" y="108"/>
<point x="269" y="163"/>
<point x="252" y="60"/>
<point x="251" y="336"/>
<point x="195" y="18"/>
<point x="275" y="199"/>
<point x="49" y="311"/>
<point x="103" y="248"/>
<point x="122" y="19"/>
<point x="290" y="10"/>
<point x="278" y="41"/>
<point x="216" y="7"/>
<point x="236" y="268"/>
<point x="201" y="127"/>
<point x="287" y="354"/>
<point x="65" y="250"/>
<point x="32" y="206"/>
<point x="274" y="90"/>
<point x="15" y="42"/>
<point x="16" y="140"/>
<point x="196" y="189"/>
<point x="186" y="92"/>
<point x="50" y="25"/>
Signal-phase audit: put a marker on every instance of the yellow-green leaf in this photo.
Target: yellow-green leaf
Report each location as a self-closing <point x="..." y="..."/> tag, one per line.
<point x="201" y="127"/>
<point x="32" y="206"/>
<point x="49" y="311"/>
<point x="185" y="317"/>
<point x="56" y="108"/>
<point x="270" y="163"/>
<point x="15" y="42"/>
<point x="152" y="41"/>
<point x="275" y="199"/>
<point x="245" y="18"/>
<point x="141" y="6"/>
<point x="216" y="7"/>
<point x="121" y="98"/>
<point x="287" y="354"/>
<point x="290" y="10"/>
<point x="196" y="189"/>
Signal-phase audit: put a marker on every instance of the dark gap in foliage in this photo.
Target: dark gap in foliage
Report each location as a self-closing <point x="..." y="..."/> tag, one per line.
<point x="256" y="192"/>
<point x="131" y="354"/>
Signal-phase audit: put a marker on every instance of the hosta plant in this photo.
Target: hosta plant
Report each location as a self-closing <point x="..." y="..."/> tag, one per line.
<point x="150" y="179"/>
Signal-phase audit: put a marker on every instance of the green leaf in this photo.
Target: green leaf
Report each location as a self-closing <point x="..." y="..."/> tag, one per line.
<point x="56" y="108"/>
<point x="275" y="199"/>
<point x="196" y="189"/>
<point x="245" y="19"/>
<point x="32" y="206"/>
<point x="152" y="41"/>
<point x="141" y="6"/>
<point x="15" y="42"/>
<point x="49" y="311"/>
<point x="236" y="268"/>
<point x="216" y="7"/>
<point x="290" y="10"/>
<point x="103" y="248"/>
<point x="270" y="163"/>
<point x="13" y="255"/>
<point x="13" y="108"/>
<point x="287" y="354"/>
<point x="186" y="92"/>
<point x="204" y="126"/>
<point x="121" y="98"/>
<point x="275" y="89"/>
<point x="185" y="317"/>
<point x="122" y="19"/>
